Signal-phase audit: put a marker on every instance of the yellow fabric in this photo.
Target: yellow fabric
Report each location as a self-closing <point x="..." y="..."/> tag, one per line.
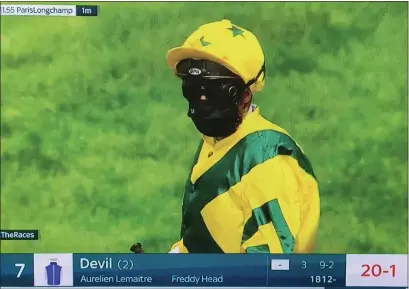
<point x="213" y="151"/>
<point x="297" y="195"/>
<point x="227" y="44"/>
<point x="252" y="122"/>
<point x="264" y="236"/>
<point x="296" y="192"/>
<point x="279" y="178"/>
<point x="227" y="205"/>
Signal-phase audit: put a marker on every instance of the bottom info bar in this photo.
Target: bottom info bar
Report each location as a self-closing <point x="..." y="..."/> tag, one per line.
<point x="376" y="270"/>
<point x="208" y="287"/>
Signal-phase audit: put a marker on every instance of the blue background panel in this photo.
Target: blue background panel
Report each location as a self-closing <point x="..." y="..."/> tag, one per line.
<point x="9" y="270"/>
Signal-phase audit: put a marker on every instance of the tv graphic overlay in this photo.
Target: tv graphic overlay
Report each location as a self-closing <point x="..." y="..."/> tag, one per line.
<point x="48" y="10"/>
<point x="15" y="235"/>
<point x="283" y="264"/>
<point x="376" y="270"/>
<point x="53" y="270"/>
<point x="204" y="270"/>
<point x="16" y="270"/>
<point x="106" y="146"/>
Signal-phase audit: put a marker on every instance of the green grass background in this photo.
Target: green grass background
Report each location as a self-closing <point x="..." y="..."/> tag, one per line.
<point x="96" y="144"/>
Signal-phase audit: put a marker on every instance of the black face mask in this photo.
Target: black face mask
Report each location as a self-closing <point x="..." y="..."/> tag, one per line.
<point x="213" y="105"/>
<point x="213" y="93"/>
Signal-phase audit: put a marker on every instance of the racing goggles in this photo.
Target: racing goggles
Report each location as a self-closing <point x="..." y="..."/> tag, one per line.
<point x="205" y="80"/>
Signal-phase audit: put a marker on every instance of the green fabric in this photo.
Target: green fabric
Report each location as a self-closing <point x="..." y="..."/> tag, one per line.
<point x="270" y="212"/>
<point x="250" y="151"/>
<point x="258" y="249"/>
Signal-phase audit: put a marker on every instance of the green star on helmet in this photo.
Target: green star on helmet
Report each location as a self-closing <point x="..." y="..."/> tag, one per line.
<point x="204" y="42"/>
<point x="236" y="31"/>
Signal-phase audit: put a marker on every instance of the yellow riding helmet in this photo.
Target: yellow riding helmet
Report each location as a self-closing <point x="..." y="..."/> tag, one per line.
<point x="227" y="44"/>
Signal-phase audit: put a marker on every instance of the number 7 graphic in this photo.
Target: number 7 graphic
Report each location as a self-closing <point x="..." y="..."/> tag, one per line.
<point x="20" y="271"/>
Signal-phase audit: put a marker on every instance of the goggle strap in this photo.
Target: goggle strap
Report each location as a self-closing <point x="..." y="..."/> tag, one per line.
<point x="255" y="79"/>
